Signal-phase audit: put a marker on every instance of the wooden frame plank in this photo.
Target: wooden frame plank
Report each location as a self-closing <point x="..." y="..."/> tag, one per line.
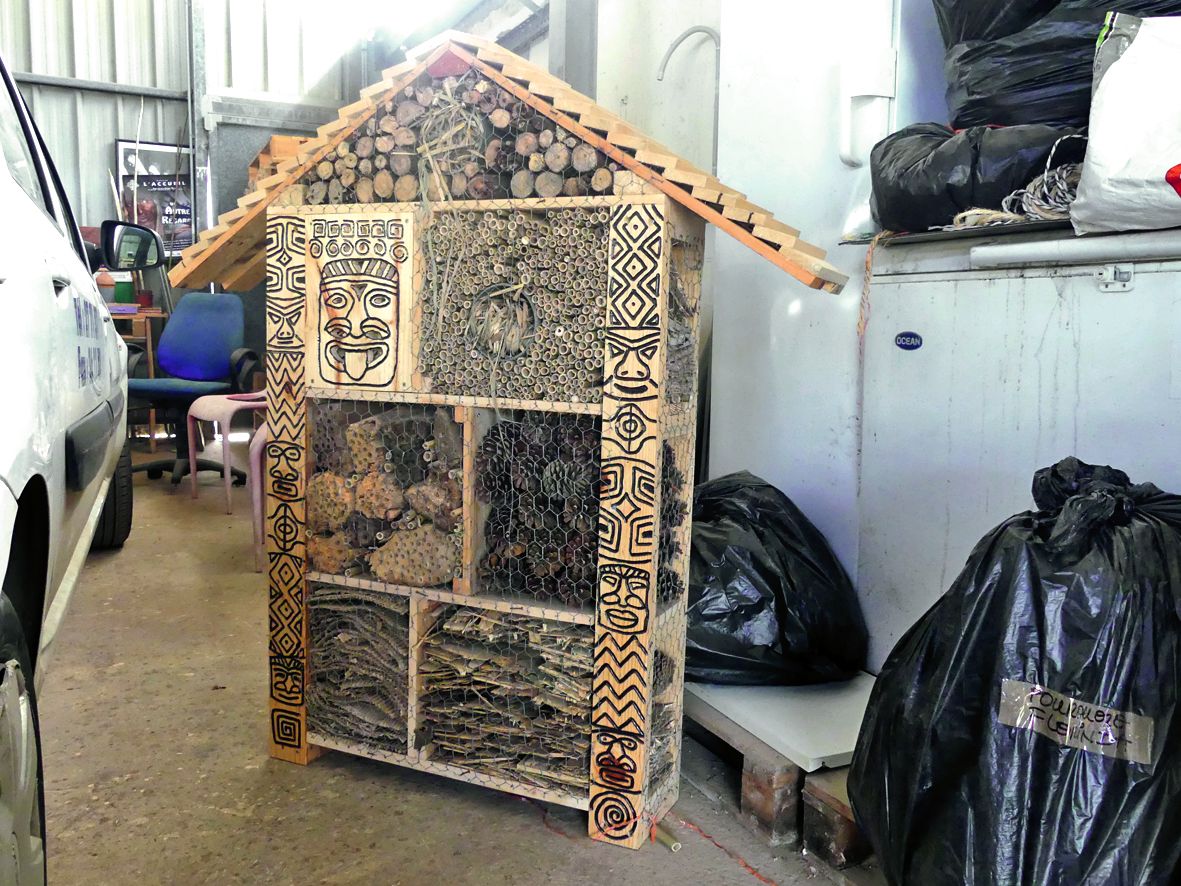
<point x="289" y="664"/>
<point x="629" y="513"/>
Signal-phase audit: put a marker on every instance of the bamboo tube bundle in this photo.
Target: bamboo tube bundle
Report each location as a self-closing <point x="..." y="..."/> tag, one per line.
<point x="360" y="652"/>
<point x="514" y="304"/>
<point x="391" y="441"/>
<point x="509" y="696"/>
<point x="538" y="472"/>
<point x="327" y="420"/>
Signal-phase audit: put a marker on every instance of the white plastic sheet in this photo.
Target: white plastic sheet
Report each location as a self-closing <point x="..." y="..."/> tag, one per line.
<point x="1131" y="177"/>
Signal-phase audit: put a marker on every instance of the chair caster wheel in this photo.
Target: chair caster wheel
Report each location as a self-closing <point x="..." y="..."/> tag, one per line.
<point x="155" y="473"/>
<point x="239" y="481"/>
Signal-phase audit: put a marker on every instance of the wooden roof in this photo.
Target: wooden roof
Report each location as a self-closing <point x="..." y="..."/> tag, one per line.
<point x="233" y="252"/>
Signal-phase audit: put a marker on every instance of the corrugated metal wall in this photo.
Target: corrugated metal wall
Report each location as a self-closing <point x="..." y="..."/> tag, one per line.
<point x="129" y="42"/>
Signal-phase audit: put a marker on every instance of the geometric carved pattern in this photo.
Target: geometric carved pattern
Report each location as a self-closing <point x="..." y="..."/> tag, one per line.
<point x="284" y="482"/>
<point x="629" y="505"/>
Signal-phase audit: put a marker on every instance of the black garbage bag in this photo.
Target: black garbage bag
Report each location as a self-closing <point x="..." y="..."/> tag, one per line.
<point x="961" y="20"/>
<point x="1026" y="729"/>
<point x="1040" y="74"/>
<point x="924" y="174"/>
<point x="769" y="602"/>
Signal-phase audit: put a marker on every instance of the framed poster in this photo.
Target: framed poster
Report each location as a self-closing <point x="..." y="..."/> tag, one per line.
<point x="156" y="190"/>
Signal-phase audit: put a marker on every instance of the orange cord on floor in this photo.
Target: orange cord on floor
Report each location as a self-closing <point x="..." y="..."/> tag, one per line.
<point x="741" y="862"/>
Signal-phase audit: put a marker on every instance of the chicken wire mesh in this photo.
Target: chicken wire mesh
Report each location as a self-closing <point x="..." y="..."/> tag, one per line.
<point x="537" y="485"/>
<point x="385" y="494"/>
<point x="359" y="666"/>
<point x="461" y="138"/>
<point x="684" y="301"/>
<point x="668" y="635"/>
<point x="507" y="696"/>
<point x="514" y="303"/>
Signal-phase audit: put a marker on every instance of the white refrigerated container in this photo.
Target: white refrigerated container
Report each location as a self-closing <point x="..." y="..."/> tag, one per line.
<point x="987" y="358"/>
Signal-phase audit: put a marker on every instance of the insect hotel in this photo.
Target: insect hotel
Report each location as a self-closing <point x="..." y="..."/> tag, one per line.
<point x="482" y="297"/>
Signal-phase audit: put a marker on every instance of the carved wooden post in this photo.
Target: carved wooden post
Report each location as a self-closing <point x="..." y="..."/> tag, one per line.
<point x="628" y="523"/>
<point x="285" y="485"/>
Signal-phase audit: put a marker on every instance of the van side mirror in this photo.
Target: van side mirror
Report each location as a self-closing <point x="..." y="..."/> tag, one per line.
<point x="128" y="247"/>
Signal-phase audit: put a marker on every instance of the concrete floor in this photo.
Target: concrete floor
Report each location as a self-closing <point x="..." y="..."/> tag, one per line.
<point x="154" y="723"/>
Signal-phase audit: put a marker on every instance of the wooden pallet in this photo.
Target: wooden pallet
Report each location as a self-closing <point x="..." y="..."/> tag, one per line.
<point x="771" y="804"/>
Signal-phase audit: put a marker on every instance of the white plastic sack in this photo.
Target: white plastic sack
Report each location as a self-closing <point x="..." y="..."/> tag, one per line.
<point x="1131" y="177"/>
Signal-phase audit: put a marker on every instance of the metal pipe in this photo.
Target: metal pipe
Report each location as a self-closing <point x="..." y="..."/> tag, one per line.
<point x="717" y="39"/>
<point x="174" y="95"/>
<point x="1146" y="246"/>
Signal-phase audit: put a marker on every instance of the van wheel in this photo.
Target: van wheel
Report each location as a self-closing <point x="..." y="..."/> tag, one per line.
<point x="115" y="523"/>
<point x="22" y="793"/>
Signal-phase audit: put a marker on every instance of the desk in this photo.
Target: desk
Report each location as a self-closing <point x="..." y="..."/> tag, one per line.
<point x="141" y="331"/>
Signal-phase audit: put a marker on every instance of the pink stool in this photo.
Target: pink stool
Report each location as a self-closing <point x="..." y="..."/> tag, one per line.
<point x="219" y="409"/>
<point x="258" y="445"/>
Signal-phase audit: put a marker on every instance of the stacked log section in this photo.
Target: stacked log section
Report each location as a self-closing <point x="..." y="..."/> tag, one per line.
<point x="396" y="515"/>
<point x="508" y="696"/>
<point x="360" y="653"/>
<point x="538" y="475"/>
<point x="514" y="304"/>
<point x="457" y="138"/>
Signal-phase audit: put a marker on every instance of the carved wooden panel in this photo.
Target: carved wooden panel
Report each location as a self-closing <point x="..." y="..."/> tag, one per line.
<point x="359" y="291"/>
<point x="285" y="487"/>
<point x="629" y="511"/>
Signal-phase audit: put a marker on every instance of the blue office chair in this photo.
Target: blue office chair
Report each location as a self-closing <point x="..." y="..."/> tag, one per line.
<point x="201" y="352"/>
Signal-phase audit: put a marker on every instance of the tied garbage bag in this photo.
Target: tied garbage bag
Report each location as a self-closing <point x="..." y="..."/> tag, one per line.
<point x="924" y="174"/>
<point x="1040" y="74"/>
<point x="961" y="20"/>
<point x="1025" y="730"/>
<point x="768" y="600"/>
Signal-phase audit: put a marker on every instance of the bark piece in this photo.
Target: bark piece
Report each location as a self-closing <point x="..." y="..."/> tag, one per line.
<point x="379" y="496"/>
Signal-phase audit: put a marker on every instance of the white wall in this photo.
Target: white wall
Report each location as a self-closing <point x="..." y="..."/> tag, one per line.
<point x="786" y="364"/>
<point x="632" y="39"/>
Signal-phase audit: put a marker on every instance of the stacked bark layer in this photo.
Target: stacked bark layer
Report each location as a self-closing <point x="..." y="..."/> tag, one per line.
<point x="508" y="696"/>
<point x="360" y="647"/>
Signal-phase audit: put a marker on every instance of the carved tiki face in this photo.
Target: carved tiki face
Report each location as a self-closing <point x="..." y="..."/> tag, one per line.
<point x="359" y="321"/>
